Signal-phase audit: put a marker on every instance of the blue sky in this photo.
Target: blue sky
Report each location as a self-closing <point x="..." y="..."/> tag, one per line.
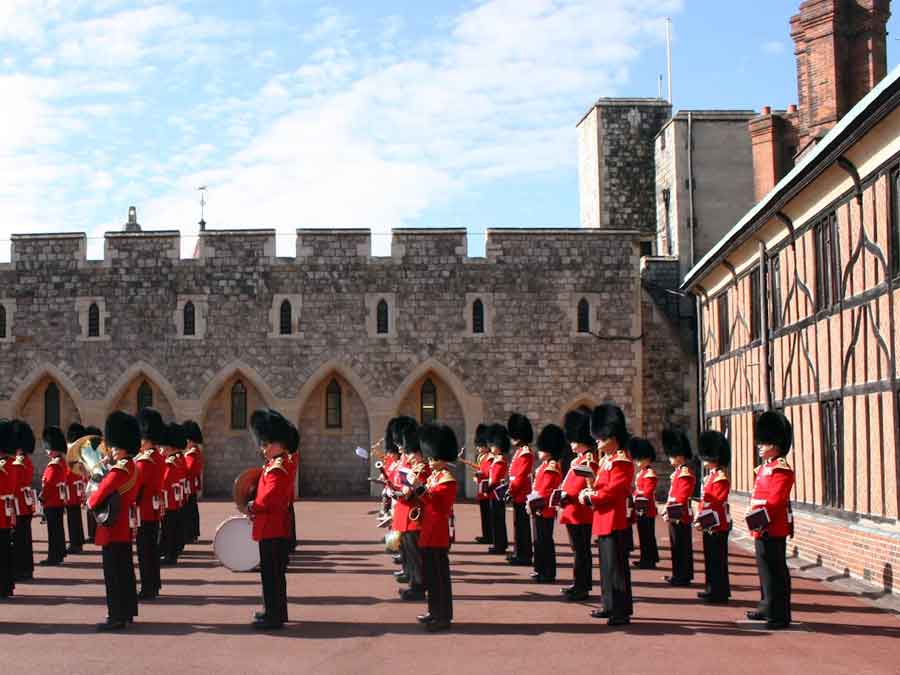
<point x="346" y="114"/>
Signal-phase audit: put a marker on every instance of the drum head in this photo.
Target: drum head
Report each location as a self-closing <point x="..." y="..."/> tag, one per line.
<point x="234" y="545"/>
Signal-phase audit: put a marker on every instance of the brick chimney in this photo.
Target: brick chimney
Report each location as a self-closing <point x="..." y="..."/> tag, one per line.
<point x="841" y="56"/>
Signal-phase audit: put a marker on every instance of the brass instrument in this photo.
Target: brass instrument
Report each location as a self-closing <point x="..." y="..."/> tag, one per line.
<point x="90" y="458"/>
<point x="245" y="487"/>
<point x="392" y="541"/>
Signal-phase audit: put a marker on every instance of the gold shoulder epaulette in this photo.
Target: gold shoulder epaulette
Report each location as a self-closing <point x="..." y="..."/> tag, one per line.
<point x="650" y="473"/>
<point x="553" y="466"/>
<point x="192" y="451"/>
<point x="55" y="460"/>
<point x="525" y="450"/>
<point x="121" y="465"/>
<point x="278" y="464"/>
<point x="3" y="465"/>
<point x="19" y="461"/>
<point x="498" y="458"/>
<point x="170" y="459"/>
<point x="445" y="477"/>
<point x="685" y="471"/>
<point x="782" y="463"/>
<point x="620" y="456"/>
<point x="720" y="475"/>
<point x="589" y="456"/>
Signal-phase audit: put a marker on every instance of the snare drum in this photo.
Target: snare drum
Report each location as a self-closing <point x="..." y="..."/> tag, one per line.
<point x="234" y="545"/>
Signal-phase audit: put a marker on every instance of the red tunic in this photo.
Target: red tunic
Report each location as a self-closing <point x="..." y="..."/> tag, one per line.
<point x="55" y="475"/>
<point x="293" y="464"/>
<point x="611" y="491"/>
<point x="271" y="518"/>
<point x="194" y="461"/>
<point x="484" y="461"/>
<point x="25" y="498"/>
<point x="8" y="483"/>
<point x="574" y="512"/>
<point x="75" y="484"/>
<point x="645" y="486"/>
<point x="520" y="474"/>
<point x="681" y="490"/>
<point x="498" y="472"/>
<point x="437" y="506"/>
<point x="149" y="466"/>
<point x="173" y="475"/>
<point x="715" y="497"/>
<point x="546" y="480"/>
<point x="122" y="477"/>
<point x="408" y="505"/>
<point x="772" y="490"/>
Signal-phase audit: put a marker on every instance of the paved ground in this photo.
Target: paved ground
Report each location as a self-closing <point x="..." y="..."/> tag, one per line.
<point x="347" y="618"/>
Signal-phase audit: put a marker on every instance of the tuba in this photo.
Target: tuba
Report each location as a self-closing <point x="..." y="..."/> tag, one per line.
<point x="89" y="457"/>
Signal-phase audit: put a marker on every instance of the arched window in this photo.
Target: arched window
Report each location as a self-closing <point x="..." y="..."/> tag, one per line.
<point x="238" y="406"/>
<point x="478" y="316"/>
<point x="2" y="321"/>
<point x="428" y="412"/>
<point x="382" y="318"/>
<point x="144" y="396"/>
<point x="51" y="405"/>
<point x="285" y="318"/>
<point x="189" y="323"/>
<point x="93" y="320"/>
<point x="584" y="316"/>
<point x="333" y="405"/>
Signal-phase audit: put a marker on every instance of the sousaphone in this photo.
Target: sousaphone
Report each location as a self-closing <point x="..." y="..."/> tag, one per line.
<point x="90" y="458"/>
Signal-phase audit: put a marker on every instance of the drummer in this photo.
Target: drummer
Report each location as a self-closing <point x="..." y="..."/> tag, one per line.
<point x="269" y="512"/>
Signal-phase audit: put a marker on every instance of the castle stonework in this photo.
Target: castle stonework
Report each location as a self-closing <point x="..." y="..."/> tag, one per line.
<point x="336" y="339"/>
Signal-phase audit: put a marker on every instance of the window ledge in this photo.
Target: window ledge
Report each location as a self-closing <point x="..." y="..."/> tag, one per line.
<point x="99" y="338"/>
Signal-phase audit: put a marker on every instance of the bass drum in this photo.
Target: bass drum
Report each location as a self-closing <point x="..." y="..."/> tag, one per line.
<point x="234" y="545"/>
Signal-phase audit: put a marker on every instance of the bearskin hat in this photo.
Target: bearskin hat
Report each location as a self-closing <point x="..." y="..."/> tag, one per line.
<point x="176" y="437"/>
<point x="93" y="431"/>
<point x="519" y="428"/>
<point x="499" y="438"/>
<point x="74" y="432"/>
<point x="438" y="441"/>
<point x="406" y="433"/>
<point x="676" y="443"/>
<point x="55" y="439"/>
<point x="714" y="447"/>
<point x="773" y="428"/>
<point x="192" y="431"/>
<point x="608" y="421"/>
<point x="482" y="436"/>
<point x="390" y="440"/>
<point x="270" y="426"/>
<point x="641" y="448"/>
<point x="578" y="427"/>
<point x="294" y="441"/>
<point x="22" y="437"/>
<point x="5" y="431"/>
<point x="152" y="426"/>
<point x="123" y="432"/>
<point x="552" y="440"/>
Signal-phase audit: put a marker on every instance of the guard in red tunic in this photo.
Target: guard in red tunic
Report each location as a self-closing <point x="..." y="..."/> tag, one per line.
<point x="644" y="499"/>
<point x="75" y="485"/>
<point x="150" y="467"/>
<point x="577" y="517"/>
<point x="55" y="494"/>
<point x="678" y="507"/>
<point x="520" y="469"/>
<point x="551" y="444"/>
<point x="497" y="480"/>
<point x="772" y="494"/>
<point x="194" y="461"/>
<point x="715" y="451"/>
<point x="123" y="440"/>
<point x="439" y="445"/>
<point x="408" y="511"/>
<point x="8" y="482"/>
<point x="22" y="442"/>
<point x="484" y="460"/>
<point x="269" y="512"/>
<point x="609" y="498"/>
<point x="74" y="432"/>
<point x="173" y="495"/>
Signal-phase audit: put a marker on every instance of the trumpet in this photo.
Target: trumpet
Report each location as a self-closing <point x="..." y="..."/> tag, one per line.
<point x="461" y="458"/>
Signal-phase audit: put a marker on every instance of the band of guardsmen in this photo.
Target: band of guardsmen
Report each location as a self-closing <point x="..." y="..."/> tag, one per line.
<point x="139" y="478"/>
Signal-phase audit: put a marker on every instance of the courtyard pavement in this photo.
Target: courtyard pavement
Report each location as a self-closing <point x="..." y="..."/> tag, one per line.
<point x="346" y="616"/>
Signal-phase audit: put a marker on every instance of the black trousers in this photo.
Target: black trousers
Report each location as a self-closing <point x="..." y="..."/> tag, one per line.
<point x="293" y="519"/>
<point x="544" y="548"/>
<point x="182" y="523"/>
<point x="580" y="541"/>
<point x="7" y="575"/>
<point x="499" y="539"/>
<point x="23" y="548"/>
<point x="148" y="556"/>
<point x="646" y="527"/>
<point x="169" y="536"/>
<point x="76" y="529"/>
<point x="56" y="534"/>
<point x="436" y="567"/>
<point x="616" y="575"/>
<point x="91" y="526"/>
<point x="273" y="563"/>
<point x="522" y="533"/>
<point x="412" y="558"/>
<point x="193" y="519"/>
<point x="682" y="551"/>
<point x="121" y="586"/>
<point x="715" y="565"/>
<point x="484" y="508"/>
<point x="774" y="578"/>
